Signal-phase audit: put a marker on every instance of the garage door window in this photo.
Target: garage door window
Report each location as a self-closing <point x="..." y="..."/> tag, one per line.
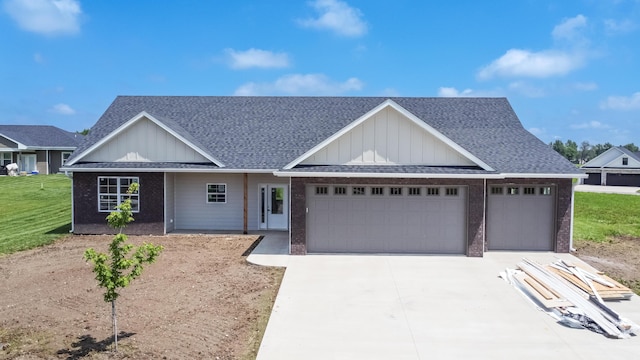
<point x="322" y="190"/>
<point x="545" y="190"/>
<point x="395" y="191"/>
<point x="358" y="190"/>
<point x="377" y="191"/>
<point x="451" y="191"/>
<point x="415" y="191"/>
<point x="340" y="190"/>
<point x="511" y="190"/>
<point x="529" y="191"/>
<point x="433" y="191"/>
<point x="495" y="190"/>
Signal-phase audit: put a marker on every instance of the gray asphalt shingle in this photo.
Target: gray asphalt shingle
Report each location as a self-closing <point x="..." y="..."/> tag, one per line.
<point x="270" y="132"/>
<point x="41" y="136"/>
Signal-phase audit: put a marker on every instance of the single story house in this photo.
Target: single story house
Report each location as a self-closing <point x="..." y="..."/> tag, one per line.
<point x="39" y="149"/>
<point x="617" y="166"/>
<point x="339" y="174"/>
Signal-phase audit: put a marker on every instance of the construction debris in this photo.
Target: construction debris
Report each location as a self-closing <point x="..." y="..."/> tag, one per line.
<point x="574" y="296"/>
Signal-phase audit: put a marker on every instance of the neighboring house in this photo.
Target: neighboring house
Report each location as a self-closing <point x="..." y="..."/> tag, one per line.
<point x="39" y="149"/>
<point x="617" y="166"/>
<point x="340" y="174"/>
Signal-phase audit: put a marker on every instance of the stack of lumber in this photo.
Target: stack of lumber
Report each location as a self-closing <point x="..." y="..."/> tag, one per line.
<point x="574" y="295"/>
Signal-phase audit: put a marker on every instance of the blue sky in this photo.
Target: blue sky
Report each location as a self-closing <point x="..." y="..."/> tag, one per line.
<point x="570" y="68"/>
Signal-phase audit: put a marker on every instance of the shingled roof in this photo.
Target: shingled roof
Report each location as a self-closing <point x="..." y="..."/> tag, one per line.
<point x="41" y="136"/>
<point x="271" y="132"/>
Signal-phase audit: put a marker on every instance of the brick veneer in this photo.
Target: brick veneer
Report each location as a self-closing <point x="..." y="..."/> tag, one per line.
<point x="475" y="228"/>
<point x="88" y="220"/>
<point x="562" y="211"/>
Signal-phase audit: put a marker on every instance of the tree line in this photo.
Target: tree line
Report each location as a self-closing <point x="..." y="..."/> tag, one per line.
<point x="585" y="152"/>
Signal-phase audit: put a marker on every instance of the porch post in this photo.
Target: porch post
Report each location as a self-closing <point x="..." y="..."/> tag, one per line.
<point x="246" y="203"/>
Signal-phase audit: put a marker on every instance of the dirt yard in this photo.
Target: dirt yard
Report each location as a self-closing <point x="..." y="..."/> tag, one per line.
<point x="200" y="300"/>
<point x="619" y="258"/>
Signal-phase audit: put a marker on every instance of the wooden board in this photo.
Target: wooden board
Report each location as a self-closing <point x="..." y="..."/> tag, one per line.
<point x="618" y="292"/>
<point x="553" y="302"/>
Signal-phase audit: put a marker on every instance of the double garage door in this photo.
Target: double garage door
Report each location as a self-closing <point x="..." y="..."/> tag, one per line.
<point x="386" y="219"/>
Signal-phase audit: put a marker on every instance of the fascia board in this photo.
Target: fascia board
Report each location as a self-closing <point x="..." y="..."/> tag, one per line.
<point x="21" y="146"/>
<point x="386" y="175"/>
<point x="132" y="121"/>
<point x="404" y="112"/>
<point x="148" y="170"/>
<point x="542" y="176"/>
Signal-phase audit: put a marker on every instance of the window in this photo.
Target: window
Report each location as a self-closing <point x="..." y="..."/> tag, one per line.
<point x="395" y="191"/>
<point x="625" y="161"/>
<point x="358" y="190"/>
<point x="497" y="190"/>
<point x="322" y="190"/>
<point x="451" y="192"/>
<point x="340" y="190"/>
<point x="529" y="191"/>
<point x="217" y="193"/>
<point x="512" y="190"/>
<point x="65" y="156"/>
<point x="377" y="191"/>
<point x="545" y="190"/>
<point x="5" y="158"/>
<point x="112" y="191"/>
<point x="415" y="191"/>
<point x="433" y="191"/>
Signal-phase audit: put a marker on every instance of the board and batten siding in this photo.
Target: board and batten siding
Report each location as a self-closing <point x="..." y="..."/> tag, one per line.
<point x="145" y="141"/>
<point x="388" y="137"/>
<point x="169" y="198"/>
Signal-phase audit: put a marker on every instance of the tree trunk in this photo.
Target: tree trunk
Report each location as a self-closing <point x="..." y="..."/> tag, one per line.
<point x="115" y="325"/>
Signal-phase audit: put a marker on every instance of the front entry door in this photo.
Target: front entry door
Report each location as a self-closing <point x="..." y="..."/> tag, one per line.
<point x="274" y="207"/>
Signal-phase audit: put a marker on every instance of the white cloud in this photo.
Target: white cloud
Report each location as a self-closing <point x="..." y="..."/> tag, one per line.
<point x="62" y="109"/>
<point x="585" y="86"/>
<point x="537" y="131"/>
<point x="525" y="63"/>
<point x="453" y="92"/>
<point x="589" y="125"/>
<point x="48" y="17"/>
<point x="526" y="89"/>
<point x="256" y="58"/>
<point x="619" y="27"/>
<point x="38" y="58"/>
<point x="300" y="84"/>
<point x="622" y="102"/>
<point x="338" y="17"/>
<point x="570" y="28"/>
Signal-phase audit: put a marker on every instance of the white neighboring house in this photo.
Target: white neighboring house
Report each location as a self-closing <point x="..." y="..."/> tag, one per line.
<point x="617" y="166"/>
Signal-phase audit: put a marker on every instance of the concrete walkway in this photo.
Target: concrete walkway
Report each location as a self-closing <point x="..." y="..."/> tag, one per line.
<point x="420" y="307"/>
<point x="627" y="190"/>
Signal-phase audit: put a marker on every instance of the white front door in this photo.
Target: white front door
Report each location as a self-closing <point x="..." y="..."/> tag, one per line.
<point x="28" y="162"/>
<point x="274" y="207"/>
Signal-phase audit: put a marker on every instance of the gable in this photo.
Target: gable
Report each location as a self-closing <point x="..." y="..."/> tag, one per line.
<point x="6" y="143"/>
<point x="144" y="141"/>
<point x="388" y="137"/>
<point x="612" y="158"/>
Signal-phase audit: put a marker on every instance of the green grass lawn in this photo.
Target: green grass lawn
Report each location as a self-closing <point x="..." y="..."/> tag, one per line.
<point x="34" y="211"/>
<point x="598" y="216"/>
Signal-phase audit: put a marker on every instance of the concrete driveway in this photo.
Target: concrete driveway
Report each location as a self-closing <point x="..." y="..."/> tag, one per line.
<point x="420" y="307"/>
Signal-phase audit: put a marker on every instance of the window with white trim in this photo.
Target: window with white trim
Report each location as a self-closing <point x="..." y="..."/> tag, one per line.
<point x="513" y="190"/>
<point x="529" y="190"/>
<point x="216" y="193"/>
<point x="5" y="158"/>
<point x="340" y="190"/>
<point x="112" y="191"/>
<point x="358" y="190"/>
<point x="545" y="190"/>
<point x="395" y="191"/>
<point x="625" y="161"/>
<point x="451" y="192"/>
<point x="415" y="191"/>
<point x="65" y="156"/>
<point x="322" y="190"/>
<point x="377" y="191"/>
<point x="433" y="191"/>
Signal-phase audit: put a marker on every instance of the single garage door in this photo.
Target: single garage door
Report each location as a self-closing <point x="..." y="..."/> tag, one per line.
<point x="623" y="179"/>
<point x="386" y="219"/>
<point x="593" y="179"/>
<point x="521" y="217"/>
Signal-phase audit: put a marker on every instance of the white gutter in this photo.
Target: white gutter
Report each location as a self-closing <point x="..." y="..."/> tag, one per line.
<point x="422" y="175"/>
<point x="573" y="198"/>
<point x="539" y="176"/>
<point x="149" y="170"/>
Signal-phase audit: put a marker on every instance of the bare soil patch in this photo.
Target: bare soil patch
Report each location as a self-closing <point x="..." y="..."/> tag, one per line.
<point x="201" y="299"/>
<point x="619" y="258"/>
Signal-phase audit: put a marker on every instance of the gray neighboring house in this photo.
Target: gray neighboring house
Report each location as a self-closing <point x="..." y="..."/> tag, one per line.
<point x="617" y="166"/>
<point x="339" y="174"/>
<point x="36" y="148"/>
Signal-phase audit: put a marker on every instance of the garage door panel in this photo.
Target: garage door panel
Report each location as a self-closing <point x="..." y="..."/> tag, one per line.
<point x="387" y="223"/>
<point x="521" y="221"/>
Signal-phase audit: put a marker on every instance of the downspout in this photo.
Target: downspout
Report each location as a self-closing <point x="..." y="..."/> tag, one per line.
<point x="72" y="207"/>
<point x="484" y="216"/>
<point x="245" y="205"/>
<point x="573" y="197"/>
<point x="48" y="164"/>
<point x="290" y="204"/>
